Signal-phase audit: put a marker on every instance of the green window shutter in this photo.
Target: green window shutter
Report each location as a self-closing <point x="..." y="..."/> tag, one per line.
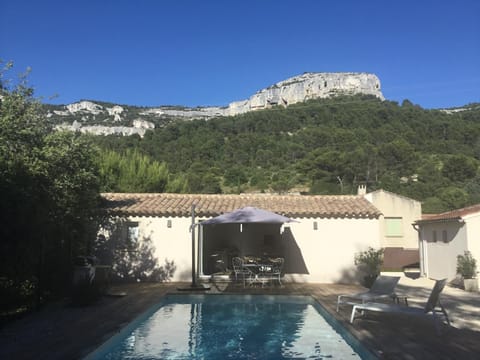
<point x="393" y="227"/>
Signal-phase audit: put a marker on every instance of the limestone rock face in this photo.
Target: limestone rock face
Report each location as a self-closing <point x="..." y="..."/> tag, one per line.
<point x="88" y="106"/>
<point x="142" y="124"/>
<point x="293" y="90"/>
<point x="94" y="118"/>
<point x="189" y="113"/>
<point x="309" y="86"/>
<point x="139" y="129"/>
<point x="116" y="112"/>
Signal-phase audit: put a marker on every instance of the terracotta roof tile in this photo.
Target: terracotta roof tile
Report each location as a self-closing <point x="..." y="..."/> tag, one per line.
<point x="451" y="215"/>
<point x="299" y="206"/>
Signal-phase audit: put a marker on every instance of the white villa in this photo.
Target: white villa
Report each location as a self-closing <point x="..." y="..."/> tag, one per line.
<point x="318" y="247"/>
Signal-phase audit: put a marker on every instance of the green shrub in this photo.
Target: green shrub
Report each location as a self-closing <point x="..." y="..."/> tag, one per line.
<point x="466" y="265"/>
<point x="370" y="262"/>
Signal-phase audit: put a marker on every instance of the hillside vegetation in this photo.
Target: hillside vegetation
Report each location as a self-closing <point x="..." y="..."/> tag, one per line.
<point x="50" y="181"/>
<point x="321" y="147"/>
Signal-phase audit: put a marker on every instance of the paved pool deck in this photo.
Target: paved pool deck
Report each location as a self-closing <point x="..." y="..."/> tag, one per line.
<point x="63" y="331"/>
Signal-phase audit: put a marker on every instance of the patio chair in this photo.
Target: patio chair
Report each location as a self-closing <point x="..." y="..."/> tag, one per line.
<point x="277" y="268"/>
<point x="382" y="288"/>
<point x="267" y="272"/>
<point x="432" y="306"/>
<point x="239" y="269"/>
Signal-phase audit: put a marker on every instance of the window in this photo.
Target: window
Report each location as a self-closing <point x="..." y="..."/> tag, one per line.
<point x="444" y="236"/>
<point x="434" y="235"/>
<point x="132" y="234"/>
<point x="393" y="227"/>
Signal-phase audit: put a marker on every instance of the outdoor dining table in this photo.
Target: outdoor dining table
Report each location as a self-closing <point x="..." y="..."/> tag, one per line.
<point x="259" y="272"/>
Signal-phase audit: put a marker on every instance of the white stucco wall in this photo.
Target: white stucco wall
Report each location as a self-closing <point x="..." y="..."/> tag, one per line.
<point x="327" y="253"/>
<point x="440" y="258"/>
<point x="473" y="236"/>
<point x="394" y="206"/>
<point x="174" y="243"/>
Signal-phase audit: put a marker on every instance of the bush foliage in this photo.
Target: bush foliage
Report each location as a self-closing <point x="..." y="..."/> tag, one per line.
<point x="467" y="265"/>
<point x="327" y="146"/>
<point x="50" y="198"/>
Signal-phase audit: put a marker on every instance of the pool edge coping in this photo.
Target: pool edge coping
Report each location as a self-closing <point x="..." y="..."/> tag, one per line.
<point x="360" y="346"/>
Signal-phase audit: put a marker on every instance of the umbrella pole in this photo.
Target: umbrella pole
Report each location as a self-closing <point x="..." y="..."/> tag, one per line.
<point x="193" y="285"/>
<point x="194" y="280"/>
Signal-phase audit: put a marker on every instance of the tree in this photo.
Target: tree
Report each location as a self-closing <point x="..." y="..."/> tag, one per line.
<point x="235" y="176"/>
<point x="453" y="197"/>
<point x="330" y="144"/>
<point x="72" y="188"/>
<point x="50" y="194"/>
<point x="203" y="180"/>
<point x="399" y="156"/>
<point x="282" y="181"/>
<point x="459" y="168"/>
<point x="132" y="171"/>
<point x="433" y="205"/>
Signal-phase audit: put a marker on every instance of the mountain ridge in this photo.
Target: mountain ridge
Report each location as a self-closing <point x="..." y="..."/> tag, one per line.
<point x="93" y="117"/>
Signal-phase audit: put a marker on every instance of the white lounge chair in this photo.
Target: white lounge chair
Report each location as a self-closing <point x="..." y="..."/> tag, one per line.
<point x="382" y="288"/>
<point x="433" y="306"/>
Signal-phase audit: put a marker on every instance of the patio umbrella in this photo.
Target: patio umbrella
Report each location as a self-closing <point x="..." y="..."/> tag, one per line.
<point x="247" y="215"/>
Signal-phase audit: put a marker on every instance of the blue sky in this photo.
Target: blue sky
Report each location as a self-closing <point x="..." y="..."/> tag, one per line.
<point x="212" y="52"/>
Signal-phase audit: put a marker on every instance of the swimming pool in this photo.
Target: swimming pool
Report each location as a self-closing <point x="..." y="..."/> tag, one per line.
<point x="233" y="327"/>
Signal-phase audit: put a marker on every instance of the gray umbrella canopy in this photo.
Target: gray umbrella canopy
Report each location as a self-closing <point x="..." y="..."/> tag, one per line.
<point x="248" y="215"/>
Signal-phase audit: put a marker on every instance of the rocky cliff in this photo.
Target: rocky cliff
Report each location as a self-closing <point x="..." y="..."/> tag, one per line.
<point x="293" y="90"/>
<point x="101" y="118"/>
<point x="309" y="86"/>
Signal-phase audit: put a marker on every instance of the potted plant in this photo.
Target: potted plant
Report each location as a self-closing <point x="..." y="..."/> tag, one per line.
<point x="370" y="262"/>
<point x="467" y="268"/>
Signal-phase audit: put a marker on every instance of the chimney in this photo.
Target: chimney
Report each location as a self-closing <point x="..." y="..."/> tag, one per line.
<point x="362" y="190"/>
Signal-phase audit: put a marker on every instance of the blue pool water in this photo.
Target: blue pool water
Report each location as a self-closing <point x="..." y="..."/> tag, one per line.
<point x="233" y="327"/>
